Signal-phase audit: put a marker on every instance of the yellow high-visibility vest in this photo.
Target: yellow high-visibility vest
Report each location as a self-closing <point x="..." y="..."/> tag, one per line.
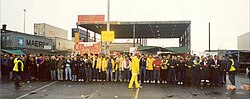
<point x="232" y="68"/>
<point x="15" y="68"/>
<point x="150" y="64"/>
<point x="164" y="66"/>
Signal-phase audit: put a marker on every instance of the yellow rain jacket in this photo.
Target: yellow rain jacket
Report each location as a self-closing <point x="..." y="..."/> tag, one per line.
<point x="135" y="66"/>
<point x="150" y="64"/>
<point x="120" y="65"/>
<point x="99" y="64"/>
<point x="104" y="64"/>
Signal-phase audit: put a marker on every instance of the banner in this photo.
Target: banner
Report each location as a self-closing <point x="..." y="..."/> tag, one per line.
<point x="88" y="47"/>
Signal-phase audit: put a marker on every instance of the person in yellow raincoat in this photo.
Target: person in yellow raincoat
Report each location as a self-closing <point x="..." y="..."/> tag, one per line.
<point x="135" y="72"/>
<point x="99" y="66"/>
<point x="150" y="69"/>
<point x="103" y="68"/>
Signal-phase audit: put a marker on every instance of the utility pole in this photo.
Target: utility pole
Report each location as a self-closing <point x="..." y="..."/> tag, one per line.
<point x="209" y="36"/>
<point x="108" y="27"/>
<point x="24" y="10"/>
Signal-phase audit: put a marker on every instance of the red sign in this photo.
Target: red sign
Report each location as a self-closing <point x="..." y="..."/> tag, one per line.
<point x="91" y="18"/>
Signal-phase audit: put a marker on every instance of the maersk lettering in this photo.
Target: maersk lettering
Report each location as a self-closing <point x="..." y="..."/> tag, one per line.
<point x="36" y="43"/>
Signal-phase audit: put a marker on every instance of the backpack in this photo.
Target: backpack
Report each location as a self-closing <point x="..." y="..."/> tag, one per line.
<point x="236" y="64"/>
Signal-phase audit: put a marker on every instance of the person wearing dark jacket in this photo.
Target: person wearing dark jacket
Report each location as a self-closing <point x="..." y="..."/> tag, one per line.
<point x="216" y="71"/>
<point x="231" y="70"/>
<point x="47" y="68"/>
<point x="196" y="65"/>
<point x="211" y="65"/>
<point x="181" y="71"/>
<point x="189" y="71"/>
<point x="74" y="68"/>
<point x="80" y="64"/>
<point x="222" y="69"/>
<point x="25" y="73"/>
<point x="53" y="65"/>
<point x="88" y="68"/>
<point x="171" y="73"/>
<point x="205" y="71"/>
<point x="33" y="69"/>
<point x="41" y="67"/>
<point x="9" y="68"/>
<point x="143" y="63"/>
<point x="59" y="67"/>
<point x="17" y="70"/>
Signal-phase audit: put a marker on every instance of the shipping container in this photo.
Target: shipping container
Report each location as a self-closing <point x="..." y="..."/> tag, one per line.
<point x="43" y="29"/>
<point x="15" y="40"/>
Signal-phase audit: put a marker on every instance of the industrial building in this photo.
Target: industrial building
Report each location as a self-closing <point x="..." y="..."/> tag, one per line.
<point x="244" y="41"/>
<point x="35" y="44"/>
<point x="140" y="31"/>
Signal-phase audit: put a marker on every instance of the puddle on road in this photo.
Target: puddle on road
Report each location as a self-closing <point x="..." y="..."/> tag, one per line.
<point x="213" y="93"/>
<point x="171" y="96"/>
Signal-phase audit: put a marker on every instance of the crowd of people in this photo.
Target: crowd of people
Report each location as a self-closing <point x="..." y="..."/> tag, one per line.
<point x="169" y="69"/>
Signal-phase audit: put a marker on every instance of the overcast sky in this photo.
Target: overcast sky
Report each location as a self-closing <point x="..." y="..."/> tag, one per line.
<point x="228" y="18"/>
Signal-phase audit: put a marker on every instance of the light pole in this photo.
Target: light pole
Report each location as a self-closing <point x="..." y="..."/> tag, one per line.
<point x="108" y="27"/>
<point x="24" y="10"/>
<point x="108" y="16"/>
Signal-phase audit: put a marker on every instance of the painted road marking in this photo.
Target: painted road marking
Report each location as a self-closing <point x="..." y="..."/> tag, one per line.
<point x="137" y="92"/>
<point x="37" y="90"/>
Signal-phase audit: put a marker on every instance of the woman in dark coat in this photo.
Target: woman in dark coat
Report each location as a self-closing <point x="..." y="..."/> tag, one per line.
<point x="74" y="69"/>
<point x="33" y="69"/>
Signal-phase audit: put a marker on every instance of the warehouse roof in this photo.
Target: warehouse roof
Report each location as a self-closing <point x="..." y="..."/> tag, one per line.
<point x="144" y="29"/>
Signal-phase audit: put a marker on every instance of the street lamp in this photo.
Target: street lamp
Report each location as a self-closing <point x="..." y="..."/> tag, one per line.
<point x="108" y="27"/>
<point x="24" y="10"/>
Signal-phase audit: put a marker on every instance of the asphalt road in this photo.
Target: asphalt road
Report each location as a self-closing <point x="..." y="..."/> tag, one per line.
<point x="117" y="90"/>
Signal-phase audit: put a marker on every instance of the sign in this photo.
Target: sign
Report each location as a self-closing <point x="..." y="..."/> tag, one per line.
<point x="77" y="37"/>
<point x="47" y="47"/>
<point x="36" y="43"/>
<point x="20" y="41"/>
<point x="91" y="18"/>
<point x="108" y="36"/>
